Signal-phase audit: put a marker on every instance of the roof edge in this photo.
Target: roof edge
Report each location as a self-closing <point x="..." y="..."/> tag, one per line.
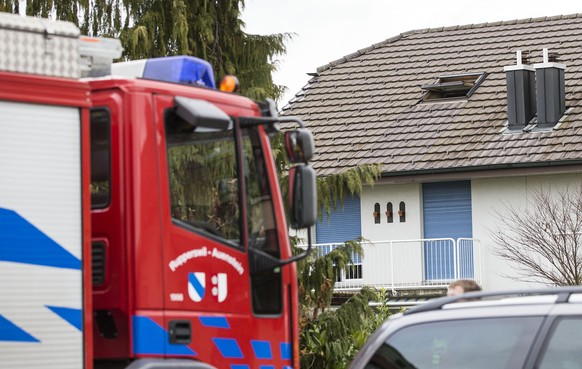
<point x="442" y="29"/>
<point x="549" y="166"/>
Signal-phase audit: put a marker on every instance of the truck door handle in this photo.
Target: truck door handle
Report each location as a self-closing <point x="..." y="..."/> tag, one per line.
<point x="180" y="331"/>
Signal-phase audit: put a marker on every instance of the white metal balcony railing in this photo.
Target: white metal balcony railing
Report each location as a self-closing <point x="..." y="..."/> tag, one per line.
<point x="406" y="264"/>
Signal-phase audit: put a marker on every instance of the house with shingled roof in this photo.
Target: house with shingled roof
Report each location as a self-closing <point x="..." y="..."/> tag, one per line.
<point x="465" y="121"/>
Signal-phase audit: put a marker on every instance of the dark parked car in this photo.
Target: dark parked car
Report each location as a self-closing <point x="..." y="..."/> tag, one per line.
<point x="527" y="329"/>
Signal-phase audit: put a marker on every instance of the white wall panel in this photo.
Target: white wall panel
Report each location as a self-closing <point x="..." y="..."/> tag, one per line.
<point x="40" y="205"/>
<point x="494" y="195"/>
<point x="382" y="194"/>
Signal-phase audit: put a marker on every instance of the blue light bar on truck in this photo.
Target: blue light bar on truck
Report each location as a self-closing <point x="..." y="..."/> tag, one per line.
<point x="178" y="69"/>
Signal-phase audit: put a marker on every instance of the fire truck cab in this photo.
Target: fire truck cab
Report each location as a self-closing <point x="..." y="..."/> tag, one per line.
<point x="142" y="224"/>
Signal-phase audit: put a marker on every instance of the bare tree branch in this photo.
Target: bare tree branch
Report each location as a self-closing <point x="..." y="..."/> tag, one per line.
<point x="543" y="242"/>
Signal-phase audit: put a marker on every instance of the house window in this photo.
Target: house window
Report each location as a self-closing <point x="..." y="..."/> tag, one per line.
<point x="402" y="211"/>
<point x="453" y="86"/>
<point x="389" y="213"/>
<point x="377" y="213"/>
<point x="447" y="213"/>
<point x="342" y="224"/>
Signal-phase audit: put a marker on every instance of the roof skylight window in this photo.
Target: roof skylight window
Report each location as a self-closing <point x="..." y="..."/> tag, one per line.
<point x="453" y="86"/>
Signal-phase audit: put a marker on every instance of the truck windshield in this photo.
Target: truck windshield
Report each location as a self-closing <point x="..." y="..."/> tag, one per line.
<point x="205" y="188"/>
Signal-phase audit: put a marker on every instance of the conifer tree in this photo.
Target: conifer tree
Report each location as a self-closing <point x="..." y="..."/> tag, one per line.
<point x="213" y="30"/>
<point x="209" y="29"/>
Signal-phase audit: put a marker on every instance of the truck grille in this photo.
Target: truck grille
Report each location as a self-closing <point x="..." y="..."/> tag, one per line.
<point x="98" y="262"/>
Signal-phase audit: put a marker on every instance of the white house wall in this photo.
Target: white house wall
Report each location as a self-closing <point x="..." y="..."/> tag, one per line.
<point x="382" y="194"/>
<point x="378" y="256"/>
<point x="487" y="196"/>
<point x="491" y="195"/>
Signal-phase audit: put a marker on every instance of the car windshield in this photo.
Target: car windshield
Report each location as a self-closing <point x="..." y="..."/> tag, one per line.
<point x="459" y="344"/>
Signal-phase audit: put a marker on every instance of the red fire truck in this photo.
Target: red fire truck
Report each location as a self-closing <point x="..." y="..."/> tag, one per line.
<point x="142" y="224"/>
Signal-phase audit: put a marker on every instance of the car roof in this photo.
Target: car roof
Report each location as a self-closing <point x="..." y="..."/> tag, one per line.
<point x="475" y="305"/>
<point x="480" y="304"/>
<point x="498" y="298"/>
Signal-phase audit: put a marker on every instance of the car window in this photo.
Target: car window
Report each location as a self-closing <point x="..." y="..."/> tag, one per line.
<point x="469" y="343"/>
<point x="562" y="351"/>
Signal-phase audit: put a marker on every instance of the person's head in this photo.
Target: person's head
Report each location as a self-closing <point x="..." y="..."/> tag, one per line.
<point x="462" y="286"/>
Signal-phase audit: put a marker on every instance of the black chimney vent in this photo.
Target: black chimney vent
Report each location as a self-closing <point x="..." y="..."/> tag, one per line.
<point x="551" y="95"/>
<point x="521" y="96"/>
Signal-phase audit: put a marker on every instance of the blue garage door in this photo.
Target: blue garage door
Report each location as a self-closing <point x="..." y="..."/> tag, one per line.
<point x="342" y="225"/>
<point x="446" y="214"/>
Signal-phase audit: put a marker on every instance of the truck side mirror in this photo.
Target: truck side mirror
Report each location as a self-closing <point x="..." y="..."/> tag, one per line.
<point x="303" y="196"/>
<point x="299" y="145"/>
<point x="201" y="114"/>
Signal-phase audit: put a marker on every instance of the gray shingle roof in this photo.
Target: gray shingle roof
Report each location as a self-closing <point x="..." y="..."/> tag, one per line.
<point x="365" y="107"/>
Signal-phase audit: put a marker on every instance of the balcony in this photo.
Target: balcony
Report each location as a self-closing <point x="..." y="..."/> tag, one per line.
<point x="409" y="264"/>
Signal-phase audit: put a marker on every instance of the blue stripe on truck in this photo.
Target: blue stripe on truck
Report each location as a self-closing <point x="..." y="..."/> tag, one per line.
<point x="215" y="322"/>
<point x="22" y="242"/>
<point x="73" y="316"/>
<point x="149" y="338"/>
<point x="11" y="332"/>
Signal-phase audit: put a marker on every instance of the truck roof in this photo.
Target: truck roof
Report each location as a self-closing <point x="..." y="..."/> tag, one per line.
<point x="33" y="88"/>
<point x="132" y="85"/>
